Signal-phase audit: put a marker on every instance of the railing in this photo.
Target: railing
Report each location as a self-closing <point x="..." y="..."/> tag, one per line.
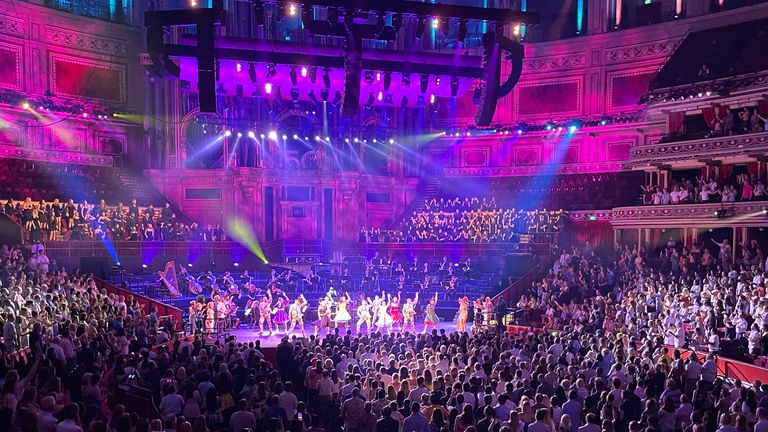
<point x="746" y="213"/>
<point x="116" y="11"/>
<point x="146" y="302"/>
<point x="716" y="148"/>
<point x="514" y="291"/>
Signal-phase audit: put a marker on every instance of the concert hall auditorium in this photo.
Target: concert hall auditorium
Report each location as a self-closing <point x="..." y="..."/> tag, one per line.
<point x="383" y="215"/>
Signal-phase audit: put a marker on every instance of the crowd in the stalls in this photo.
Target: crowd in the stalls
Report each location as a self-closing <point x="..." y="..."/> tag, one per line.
<point x="694" y="297"/>
<point x="472" y="220"/>
<point x="60" y="220"/>
<point x="706" y="190"/>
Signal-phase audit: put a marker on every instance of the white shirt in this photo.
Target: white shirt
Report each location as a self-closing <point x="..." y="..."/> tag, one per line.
<point x="289" y="403"/>
<point x="68" y="426"/>
<point x="325" y="387"/>
<point x="761" y="425"/>
<point x="415" y="395"/>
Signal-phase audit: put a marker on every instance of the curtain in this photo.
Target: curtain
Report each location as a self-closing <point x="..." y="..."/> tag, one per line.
<point x="599" y="233"/>
<point x="676" y="120"/>
<point x="709" y="115"/>
<point x="725" y="172"/>
<point x="753" y="168"/>
<point x="762" y="108"/>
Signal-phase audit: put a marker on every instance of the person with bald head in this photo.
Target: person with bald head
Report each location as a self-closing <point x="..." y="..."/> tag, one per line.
<point x="46" y="422"/>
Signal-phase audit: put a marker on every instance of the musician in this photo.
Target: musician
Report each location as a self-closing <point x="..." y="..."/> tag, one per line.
<point x="221" y="312"/>
<point x="364" y="314"/>
<point x="376" y="260"/>
<point x="245" y="280"/>
<point x="452" y="283"/>
<point x="409" y="313"/>
<point x="323" y="316"/>
<point x="445" y="264"/>
<point x="252" y="311"/>
<point x="296" y="314"/>
<point x="227" y="281"/>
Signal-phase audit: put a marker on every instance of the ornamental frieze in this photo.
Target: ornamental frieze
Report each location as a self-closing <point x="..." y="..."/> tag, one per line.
<point x="718" y="147"/>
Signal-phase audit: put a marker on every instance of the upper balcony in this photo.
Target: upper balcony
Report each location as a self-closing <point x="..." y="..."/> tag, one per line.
<point x="733" y="149"/>
<point x="115" y="11"/>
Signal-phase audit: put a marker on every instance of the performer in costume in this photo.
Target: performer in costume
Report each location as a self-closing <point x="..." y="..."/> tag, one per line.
<point x="342" y="315"/>
<point x="323" y="316"/>
<point x="296" y="314"/>
<point x="409" y="313"/>
<point x="193" y="317"/>
<point x="210" y="317"/>
<point x="265" y="313"/>
<point x="487" y="311"/>
<point x="461" y="321"/>
<point x="383" y="320"/>
<point x="477" y="305"/>
<point x="394" y="310"/>
<point x="364" y="314"/>
<point x="252" y="311"/>
<point x="431" y="319"/>
<point x="280" y="316"/>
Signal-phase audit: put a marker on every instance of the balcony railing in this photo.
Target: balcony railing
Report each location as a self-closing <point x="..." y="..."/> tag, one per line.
<point x="116" y="11"/>
<point x="744" y="214"/>
<point x="710" y="148"/>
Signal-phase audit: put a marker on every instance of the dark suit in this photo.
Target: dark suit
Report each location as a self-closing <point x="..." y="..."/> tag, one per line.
<point x="387" y="424"/>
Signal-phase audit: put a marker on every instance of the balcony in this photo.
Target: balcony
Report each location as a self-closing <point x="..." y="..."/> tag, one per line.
<point x="718" y="148"/>
<point x="741" y="214"/>
<point x="116" y="11"/>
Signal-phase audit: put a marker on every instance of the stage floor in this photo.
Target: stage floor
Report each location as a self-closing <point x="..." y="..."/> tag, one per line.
<point x="271" y="341"/>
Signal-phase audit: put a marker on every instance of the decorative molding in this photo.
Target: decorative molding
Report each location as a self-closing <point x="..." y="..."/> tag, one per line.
<point x="609" y="97"/>
<point x="644" y="51"/>
<point x="586" y="215"/>
<point x="56" y="156"/>
<point x="533" y="170"/>
<point x="11" y="25"/>
<point x="579" y="81"/>
<point x="748" y="213"/>
<point x="717" y="148"/>
<point x="53" y="57"/>
<point x="539" y="64"/>
<point x="72" y="39"/>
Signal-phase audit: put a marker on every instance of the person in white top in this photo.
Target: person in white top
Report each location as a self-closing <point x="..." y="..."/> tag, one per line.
<point x="288" y="401"/>
<point x="71" y="415"/>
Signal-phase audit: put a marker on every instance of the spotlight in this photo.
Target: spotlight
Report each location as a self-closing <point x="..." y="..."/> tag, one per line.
<point x="424" y="81"/>
<point x="346" y="140"/>
<point x="435" y="23"/>
<point x="238" y="67"/>
<point x="312" y="96"/>
<point x="328" y="139"/>
<point x="268" y="88"/>
<point x="391" y="141"/>
<point x="251" y="135"/>
<point x="519" y="131"/>
<point x="293" y="10"/>
<point x="262" y="136"/>
<point x="469" y="133"/>
<point x="327" y="77"/>
<point x="285" y="137"/>
<point x="572" y="129"/>
<point x="462" y="30"/>
<point x="437" y="81"/>
<point x="387" y="80"/>
<point x="239" y="134"/>
<point x="604" y="120"/>
<point x="420" y="27"/>
<point x="516" y="30"/>
<point x="295" y="136"/>
<point x="189" y="265"/>
<point x="271" y="70"/>
<point x="294" y="77"/>
<point x="25" y="105"/>
<point x="317" y="137"/>
<point x="144" y="266"/>
<point x="356" y="140"/>
<point x="549" y="126"/>
<point x="228" y="133"/>
<point x="380" y="96"/>
<point x="432" y="98"/>
<point x="559" y="128"/>
<point x="369" y="77"/>
<point x="456" y="134"/>
<point x="236" y="264"/>
<point x="272" y="135"/>
<point x="85" y="115"/>
<point x="708" y="93"/>
<point x="312" y="74"/>
<point x="404" y="101"/>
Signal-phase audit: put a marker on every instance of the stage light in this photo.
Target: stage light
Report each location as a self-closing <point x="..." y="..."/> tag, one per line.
<point x="271" y="70"/>
<point x="519" y="131"/>
<point x="317" y="137"/>
<point x="378" y="76"/>
<point x="143" y="266"/>
<point x="516" y="30"/>
<point x="262" y="136"/>
<point x="303" y="71"/>
<point x="708" y="93"/>
<point x="437" y="81"/>
<point x="559" y="128"/>
<point x="251" y="135"/>
<point x="346" y="140"/>
<point x="324" y="95"/>
<point x="85" y="114"/>
<point x="337" y="97"/>
<point x="285" y="137"/>
<point x="189" y="265"/>
<point x="306" y="138"/>
<point x="239" y="67"/>
<point x="550" y="126"/>
<point x="374" y="141"/>
<point x="469" y="133"/>
<point x="292" y="74"/>
<point x="432" y="98"/>
<point x="239" y="134"/>
<point x="369" y="77"/>
<point x="380" y="96"/>
<point x="295" y="136"/>
<point x="356" y="140"/>
<point x="25" y="105"/>
<point x="435" y="23"/>
<point x="424" y="82"/>
<point x="293" y="10"/>
<point x="391" y="141"/>
<point x="268" y="88"/>
<point x="272" y="135"/>
<point x="456" y="134"/>
<point x="227" y="133"/>
<point x="328" y="139"/>
<point x="295" y="94"/>
<point x="236" y="264"/>
<point x="572" y="129"/>
<point x="327" y="77"/>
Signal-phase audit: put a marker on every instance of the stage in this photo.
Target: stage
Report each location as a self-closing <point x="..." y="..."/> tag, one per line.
<point x="272" y="340"/>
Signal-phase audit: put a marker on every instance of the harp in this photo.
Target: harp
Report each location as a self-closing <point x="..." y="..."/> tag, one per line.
<point x="169" y="280"/>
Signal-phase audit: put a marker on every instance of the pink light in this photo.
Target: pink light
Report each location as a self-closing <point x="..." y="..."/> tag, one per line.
<point x="380" y="96"/>
<point x="618" y="12"/>
<point x="679" y="6"/>
<point x="304" y="71"/>
<point x="268" y="88"/>
<point x="85" y="114"/>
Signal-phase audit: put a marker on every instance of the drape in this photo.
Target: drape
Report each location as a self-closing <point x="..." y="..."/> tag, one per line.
<point x="762" y="108"/>
<point x="676" y="120"/>
<point x="725" y="172"/>
<point x="753" y="168"/>
<point x="709" y="115"/>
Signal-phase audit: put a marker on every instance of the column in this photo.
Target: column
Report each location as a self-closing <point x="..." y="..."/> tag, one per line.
<point x="733" y="246"/>
<point x="639" y="238"/>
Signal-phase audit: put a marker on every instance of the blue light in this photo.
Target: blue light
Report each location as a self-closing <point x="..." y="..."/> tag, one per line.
<point x="549" y="127"/>
<point x="572" y="129"/>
